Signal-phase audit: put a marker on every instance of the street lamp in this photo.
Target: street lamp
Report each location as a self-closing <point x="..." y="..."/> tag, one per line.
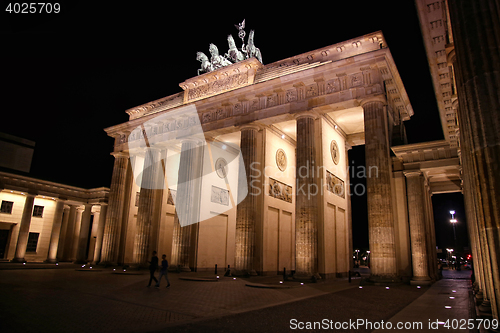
<point x="453" y="222"/>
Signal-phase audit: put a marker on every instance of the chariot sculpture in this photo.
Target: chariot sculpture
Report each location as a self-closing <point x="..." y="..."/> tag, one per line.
<point x="233" y="54"/>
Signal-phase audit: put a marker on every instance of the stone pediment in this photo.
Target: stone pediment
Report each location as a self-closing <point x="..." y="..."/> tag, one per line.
<point x="225" y="79"/>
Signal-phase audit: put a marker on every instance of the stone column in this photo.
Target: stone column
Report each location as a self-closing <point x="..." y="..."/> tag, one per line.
<point x="100" y="233"/>
<point x="379" y="197"/>
<point x="22" y="240"/>
<point x="76" y="233"/>
<point x="431" y="234"/>
<point x="81" y="257"/>
<point x="56" y="231"/>
<point x="418" y="235"/>
<point x="347" y="190"/>
<point x="307" y="192"/>
<point x="145" y="213"/>
<point x="111" y="237"/>
<point x="62" y="235"/>
<point x="247" y="209"/>
<point x="68" y="241"/>
<point x="476" y="31"/>
<point x="187" y="203"/>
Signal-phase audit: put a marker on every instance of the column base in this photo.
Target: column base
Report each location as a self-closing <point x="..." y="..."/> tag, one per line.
<point x="185" y="269"/>
<point x="18" y="260"/>
<point x="50" y="261"/>
<point x="420" y="281"/>
<point x="485" y="307"/>
<point x="107" y="263"/>
<point x="479" y="297"/>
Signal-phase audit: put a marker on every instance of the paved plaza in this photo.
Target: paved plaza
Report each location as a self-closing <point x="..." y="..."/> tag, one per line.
<point x="66" y="299"/>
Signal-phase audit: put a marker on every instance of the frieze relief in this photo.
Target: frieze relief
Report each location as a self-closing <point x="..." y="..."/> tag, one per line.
<point x="219" y="196"/>
<point x="334" y="184"/>
<point x="280" y="190"/>
<point x="166" y="126"/>
<point x="218" y="86"/>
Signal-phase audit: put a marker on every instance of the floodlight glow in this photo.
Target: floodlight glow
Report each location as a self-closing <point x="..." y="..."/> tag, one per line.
<point x="452" y="212"/>
<point x="453" y="220"/>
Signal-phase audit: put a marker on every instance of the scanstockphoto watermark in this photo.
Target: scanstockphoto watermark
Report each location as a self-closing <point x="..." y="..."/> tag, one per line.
<point x="358" y="324"/>
<point x="324" y="180"/>
<point x="430" y="324"/>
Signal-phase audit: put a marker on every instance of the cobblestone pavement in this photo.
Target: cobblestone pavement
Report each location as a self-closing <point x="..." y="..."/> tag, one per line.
<point x="69" y="300"/>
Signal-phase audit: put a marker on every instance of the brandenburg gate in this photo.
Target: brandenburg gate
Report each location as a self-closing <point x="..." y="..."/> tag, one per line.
<point x="247" y="167"/>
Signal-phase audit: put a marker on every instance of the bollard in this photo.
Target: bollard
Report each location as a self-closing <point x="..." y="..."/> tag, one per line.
<point x="215" y="269"/>
<point x="349" y="276"/>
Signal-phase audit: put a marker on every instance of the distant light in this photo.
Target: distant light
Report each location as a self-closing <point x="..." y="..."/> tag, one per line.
<point x="453" y="291"/>
<point x="57" y="264"/>
<point x="451" y="297"/>
<point x="302" y="283"/>
<point x="90" y="267"/>
<point x="234" y="278"/>
<point x="453" y="220"/>
<point x="224" y="147"/>
<point x="386" y="287"/>
<point x="217" y="276"/>
<point x="418" y="287"/>
<point x="282" y="136"/>
<point x="281" y="281"/>
<point x="24" y="263"/>
<point x="83" y="266"/>
<point x="452" y="212"/>
<point x="114" y="269"/>
<point x="447" y="307"/>
<point x="360" y="287"/>
<point x="336" y="126"/>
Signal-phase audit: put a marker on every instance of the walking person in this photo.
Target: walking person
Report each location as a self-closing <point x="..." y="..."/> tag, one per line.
<point x="153" y="265"/>
<point x="163" y="271"/>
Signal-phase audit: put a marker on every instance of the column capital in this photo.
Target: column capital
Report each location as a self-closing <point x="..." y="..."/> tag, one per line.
<point x="412" y="173"/>
<point x="120" y="154"/>
<point x="251" y="126"/>
<point x="373" y="99"/>
<point x="195" y="141"/>
<point x="306" y="114"/>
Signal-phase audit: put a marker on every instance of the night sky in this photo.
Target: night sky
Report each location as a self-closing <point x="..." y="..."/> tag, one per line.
<point x="68" y="76"/>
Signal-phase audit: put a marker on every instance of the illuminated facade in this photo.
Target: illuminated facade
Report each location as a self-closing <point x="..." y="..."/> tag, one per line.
<point x="51" y="222"/>
<point x="293" y="122"/>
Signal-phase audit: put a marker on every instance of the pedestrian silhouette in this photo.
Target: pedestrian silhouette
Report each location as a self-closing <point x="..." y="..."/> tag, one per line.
<point x="153" y="265"/>
<point x="163" y="271"/>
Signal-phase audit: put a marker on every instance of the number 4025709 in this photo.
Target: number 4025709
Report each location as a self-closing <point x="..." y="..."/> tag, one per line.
<point x="33" y="8"/>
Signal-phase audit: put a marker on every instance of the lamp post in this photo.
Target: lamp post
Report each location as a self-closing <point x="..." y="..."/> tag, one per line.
<point x="453" y="221"/>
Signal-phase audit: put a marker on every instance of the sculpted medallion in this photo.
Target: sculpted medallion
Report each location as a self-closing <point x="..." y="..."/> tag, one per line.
<point x="221" y="167"/>
<point x="334" y="150"/>
<point x="281" y="159"/>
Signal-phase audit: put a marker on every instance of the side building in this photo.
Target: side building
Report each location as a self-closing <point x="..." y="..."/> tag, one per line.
<point x="47" y="221"/>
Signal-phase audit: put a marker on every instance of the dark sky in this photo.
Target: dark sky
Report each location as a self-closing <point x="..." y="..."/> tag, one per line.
<point x="68" y="76"/>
